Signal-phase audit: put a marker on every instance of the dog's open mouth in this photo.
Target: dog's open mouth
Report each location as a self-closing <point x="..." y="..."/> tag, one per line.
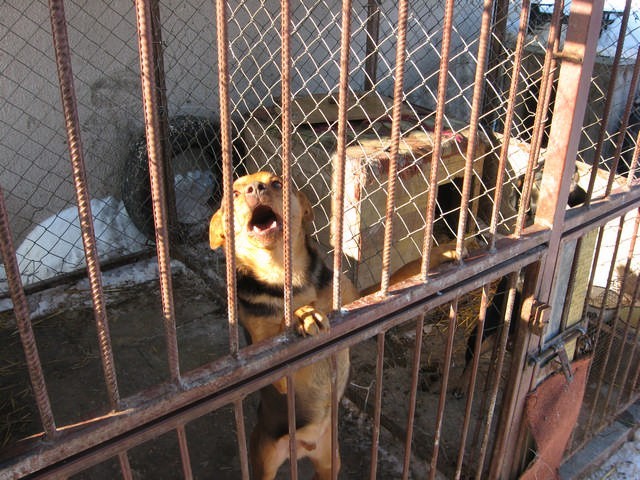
<point x="264" y="221"/>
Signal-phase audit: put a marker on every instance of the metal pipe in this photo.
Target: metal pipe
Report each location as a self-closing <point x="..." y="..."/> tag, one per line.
<point x="377" y="409"/>
<point x="184" y="452"/>
<point x="238" y="411"/>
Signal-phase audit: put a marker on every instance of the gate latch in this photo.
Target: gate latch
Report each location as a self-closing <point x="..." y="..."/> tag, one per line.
<point x="557" y="349"/>
<point x="540" y="315"/>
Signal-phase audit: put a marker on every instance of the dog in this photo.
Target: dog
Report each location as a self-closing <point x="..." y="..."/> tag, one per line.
<point x="259" y="256"/>
<point x="493" y="322"/>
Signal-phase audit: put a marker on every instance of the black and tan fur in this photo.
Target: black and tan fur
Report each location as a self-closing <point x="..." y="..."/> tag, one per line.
<point x="258" y="219"/>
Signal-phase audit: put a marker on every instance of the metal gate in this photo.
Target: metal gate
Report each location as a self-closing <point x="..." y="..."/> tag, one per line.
<point x="491" y="146"/>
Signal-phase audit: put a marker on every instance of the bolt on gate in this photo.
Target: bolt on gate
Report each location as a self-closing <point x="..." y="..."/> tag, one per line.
<point x="487" y="149"/>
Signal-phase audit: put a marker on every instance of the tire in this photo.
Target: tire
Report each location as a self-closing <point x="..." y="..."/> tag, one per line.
<point x="194" y="141"/>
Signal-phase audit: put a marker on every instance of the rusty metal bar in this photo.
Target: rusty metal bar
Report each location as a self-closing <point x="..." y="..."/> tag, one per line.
<point x="125" y="466"/>
<point x="506" y="135"/>
<point x="377" y="409"/>
<point x="21" y="312"/>
<point x="477" y="348"/>
<point x="401" y="53"/>
<point x="371" y="52"/>
<point x="415" y="376"/>
<point x="474" y="123"/>
<point x="339" y="165"/>
<point x="335" y="453"/>
<point x="291" y="417"/>
<point x="184" y="452"/>
<point x="542" y="109"/>
<point x="72" y="124"/>
<point x="634" y="162"/>
<point x="624" y="123"/>
<point x="238" y="411"/>
<point x="453" y="320"/>
<point x="227" y="173"/>
<point x="437" y="140"/>
<point x="613" y="72"/>
<point x="154" y="149"/>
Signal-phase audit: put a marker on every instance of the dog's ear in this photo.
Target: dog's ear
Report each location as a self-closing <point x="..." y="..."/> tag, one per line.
<point x="216" y="230"/>
<point x="305" y="206"/>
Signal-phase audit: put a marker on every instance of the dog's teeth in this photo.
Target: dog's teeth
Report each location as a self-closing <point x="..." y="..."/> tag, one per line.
<point x="274" y="224"/>
<point x="256" y="229"/>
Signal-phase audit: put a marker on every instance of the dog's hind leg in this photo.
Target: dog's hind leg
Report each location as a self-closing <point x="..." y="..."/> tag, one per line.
<point x="321" y="457"/>
<point x="267" y="454"/>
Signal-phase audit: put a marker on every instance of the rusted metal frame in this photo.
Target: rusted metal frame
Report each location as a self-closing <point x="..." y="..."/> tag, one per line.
<point x="542" y="109"/>
<point x="634" y="162"/>
<point x="377" y="408"/>
<point x="474" y="123"/>
<point x="613" y="72"/>
<point x="23" y="322"/>
<point x="184" y="452"/>
<point x="125" y="466"/>
<point x="238" y="411"/>
<point x="622" y="129"/>
<point x="371" y="52"/>
<point x="339" y="164"/>
<point x="415" y="376"/>
<point x="335" y="452"/>
<point x="442" y="400"/>
<point x="601" y="322"/>
<point x="618" y="318"/>
<point x="156" y="173"/>
<point x="398" y="92"/>
<point x="74" y="141"/>
<point x="506" y="135"/>
<point x="501" y="349"/>
<point x="291" y="419"/>
<point x="436" y="155"/>
<point x="477" y="347"/>
<point x="227" y="174"/>
<point x="258" y="365"/>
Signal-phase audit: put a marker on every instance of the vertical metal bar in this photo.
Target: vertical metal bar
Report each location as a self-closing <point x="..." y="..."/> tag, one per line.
<point x="291" y="412"/>
<point x="622" y="129"/>
<point x="415" y="376"/>
<point x="184" y="453"/>
<point x="401" y="53"/>
<point x="377" y="409"/>
<point x="21" y="312"/>
<point x="335" y="453"/>
<point x="125" y="466"/>
<point x="453" y="320"/>
<point x="339" y="166"/>
<point x="613" y="75"/>
<point x="154" y="149"/>
<point x="474" y="122"/>
<point x="227" y="173"/>
<point x="437" y="141"/>
<point x="540" y="121"/>
<point x="242" y="439"/>
<point x="482" y="315"/>
<point x="501" y="349"/>
<point x="72" y="124"/>
<point x="504" y="151"/>
<point x="634" y="162"/>
<point x="371" y="52"/>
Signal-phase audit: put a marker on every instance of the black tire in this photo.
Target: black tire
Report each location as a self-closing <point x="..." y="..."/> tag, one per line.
<point x="199" y="135"/>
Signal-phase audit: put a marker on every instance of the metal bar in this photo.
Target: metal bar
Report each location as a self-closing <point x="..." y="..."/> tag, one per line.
<point x="339" y="165"/>
<point x="453" y="320"/>
<point x="401" y="53"/>
<point x="125" y="466"/>
<point x="474" y="123"/>
<point x="622" y="129"/>
<point x="72" y="124"/>
<point x="477" y="348"/>
<point x="634" y="162"/>
<point x="377" y="409"/>
<point x="23" y="322"/>
<point x="291" y="416"/>
<point x="242" y="438"/>
<point x="613" y="75"/>
<point x="335" y="453"/>
<point x="540" y="121"/>
<point x="184" y="452"/>
<point x="415" y="376"/>
<point x="371" y="52"/>
<point x="227" y="174"/>
<point x="506" y="136"/>
<point x="437" y="140"/>
<point x="154" y="149"/>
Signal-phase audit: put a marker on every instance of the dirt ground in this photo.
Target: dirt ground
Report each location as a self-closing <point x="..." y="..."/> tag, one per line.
<point x="66" y="338"/>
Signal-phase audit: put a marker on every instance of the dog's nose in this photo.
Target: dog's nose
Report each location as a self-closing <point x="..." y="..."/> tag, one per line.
<point x="253" y="192"/>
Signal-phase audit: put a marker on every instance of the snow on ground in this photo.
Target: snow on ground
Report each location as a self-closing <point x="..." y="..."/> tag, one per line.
<point x="623" y="464"/>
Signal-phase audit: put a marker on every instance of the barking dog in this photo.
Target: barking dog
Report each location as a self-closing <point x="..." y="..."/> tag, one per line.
<point x="258" y="218"/>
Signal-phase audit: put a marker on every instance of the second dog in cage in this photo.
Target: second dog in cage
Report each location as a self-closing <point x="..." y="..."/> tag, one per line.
<point x="259" y="257"/>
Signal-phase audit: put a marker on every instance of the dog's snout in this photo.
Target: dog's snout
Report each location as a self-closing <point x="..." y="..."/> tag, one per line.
<point x="255" y="188"/>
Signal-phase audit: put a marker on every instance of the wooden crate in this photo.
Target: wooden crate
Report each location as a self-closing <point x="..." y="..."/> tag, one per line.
<point x="366" y="173"/>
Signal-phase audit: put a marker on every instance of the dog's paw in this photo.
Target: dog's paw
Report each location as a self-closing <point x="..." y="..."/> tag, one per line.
<point x="311" y="321"/>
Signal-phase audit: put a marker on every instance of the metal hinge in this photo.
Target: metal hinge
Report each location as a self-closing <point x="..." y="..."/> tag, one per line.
<point x="540" y="315"/>
<point x="556" y="348"/>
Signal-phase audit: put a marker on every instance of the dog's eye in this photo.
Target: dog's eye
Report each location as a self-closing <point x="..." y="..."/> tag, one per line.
<point x="236" y="194"/>
<point x="276" y="184"/>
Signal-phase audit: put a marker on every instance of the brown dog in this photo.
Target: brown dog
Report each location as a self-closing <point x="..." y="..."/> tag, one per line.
<point x="258" y="218"/>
